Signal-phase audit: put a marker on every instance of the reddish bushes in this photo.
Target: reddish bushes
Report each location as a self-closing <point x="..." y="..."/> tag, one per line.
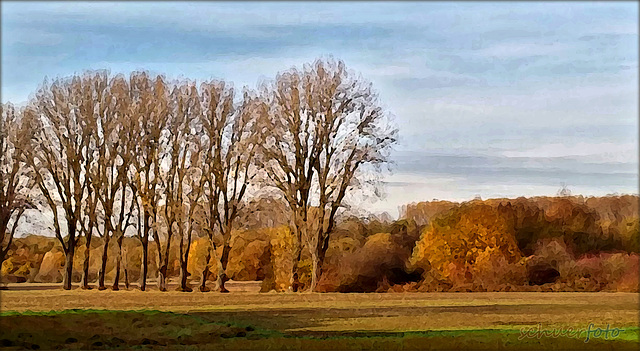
<point x="379" y="263"/>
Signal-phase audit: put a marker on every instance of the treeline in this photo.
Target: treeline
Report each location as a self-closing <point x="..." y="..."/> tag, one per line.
<point x="168" y="161"/>
<point x="565" y="243"/>
<point x="569" y="243"/>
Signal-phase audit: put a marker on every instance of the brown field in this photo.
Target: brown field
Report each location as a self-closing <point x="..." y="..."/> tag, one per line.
<point x="338" y="312"/>
<point x="330" y="315"/>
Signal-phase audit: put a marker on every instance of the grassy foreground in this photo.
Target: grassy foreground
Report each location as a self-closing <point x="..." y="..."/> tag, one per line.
<point x="57" y="319"/>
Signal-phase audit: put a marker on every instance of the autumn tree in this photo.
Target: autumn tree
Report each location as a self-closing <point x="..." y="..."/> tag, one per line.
<point x="326" y="131"/>
<point x="89" y="220"/>
<point x="180" y="150"/>
<point x="61" y="114"/>
<point x="290" y="150"/>
<point x="15" y="175"/>
<point x="229" y="146"/>
<point x="356" y="137"/>
<point x="115" y="133"/>
<point x="191" y="221"/>
<point x="150" y="111"/>
<point x="453" y="243"/>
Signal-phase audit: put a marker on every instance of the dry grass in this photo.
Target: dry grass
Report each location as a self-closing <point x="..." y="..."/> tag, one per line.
<point x="253" y="321"/>
<point x="288" y="312"/>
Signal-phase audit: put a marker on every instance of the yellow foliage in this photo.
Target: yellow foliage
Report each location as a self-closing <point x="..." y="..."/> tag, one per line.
<point x="282" y="243"/>
<point x="469" y="234"/>
<point x="197" y="259"/>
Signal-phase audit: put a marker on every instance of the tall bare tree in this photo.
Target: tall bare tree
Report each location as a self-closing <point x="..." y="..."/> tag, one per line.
<point x="89" y="221"/>
<point x="122" y="147"/>
<point x="190" y="220"/>
<point x="184" y="105"/>
<point x="115" y="132"/>
<point x="324" y="124"/>
<point x="190" y="175"/>
<point x="291" y="149"/>
<point x="150" y="110"/>
<point x="15" y="175"/>
<point x="231" y="139"/>
<point x="217" y="108"/>
<point x="62" y="114"/>
<point x="356" y="137"/>
<point x="193" y="183"/>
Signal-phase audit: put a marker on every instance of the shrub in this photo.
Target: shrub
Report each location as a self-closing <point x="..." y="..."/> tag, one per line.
<point x="453" y="242"/>
<point x="380" y="263"/>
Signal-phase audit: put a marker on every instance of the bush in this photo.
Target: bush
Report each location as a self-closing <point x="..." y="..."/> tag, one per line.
<point x="380" y="263"/>
<point x="281" y="244"/>
<point x="493" y="271"/>
<point x="452" y="243"/>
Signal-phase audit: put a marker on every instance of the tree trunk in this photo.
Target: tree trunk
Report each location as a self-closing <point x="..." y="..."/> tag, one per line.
<point x="162" y="271"/>
<point x="103" y="265"/>
<point x="205" y="272"/>
<point x="300" y="222"/>
<point x="318" y="260"/>
<point x="163" y="260"/>
<point x="295" y="279"/>
<point x="222" y="272"/>
<point x="318" y="264"/>
<point x="183" y="277"/>
<point x="85" y="266"/>
<point x="2" y="255"/>
<point x="145" y="267"/>
<point x="184" y="261"/>
<point x="68" y="265"/>
<point x="315" y="272"/>
<point x="126" y="278"/>
<point x="3" y="230"/>
<point x="145" y="250"/>
<point x="116" y="280"/>
<point x="162" y="277"/>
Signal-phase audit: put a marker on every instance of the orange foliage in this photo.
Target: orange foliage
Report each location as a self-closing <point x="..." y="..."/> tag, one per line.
<point x="451" y="244"/>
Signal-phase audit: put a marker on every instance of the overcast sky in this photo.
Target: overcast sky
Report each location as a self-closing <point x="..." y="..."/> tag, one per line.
<point x="491" y="99"/>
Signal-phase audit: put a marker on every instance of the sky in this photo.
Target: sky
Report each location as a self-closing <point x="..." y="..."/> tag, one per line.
<point x="499" y="99"/>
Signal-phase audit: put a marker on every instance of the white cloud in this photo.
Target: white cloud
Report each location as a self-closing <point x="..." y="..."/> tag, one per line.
<point x="596" y="152"/>
<point x="510" y="50"/>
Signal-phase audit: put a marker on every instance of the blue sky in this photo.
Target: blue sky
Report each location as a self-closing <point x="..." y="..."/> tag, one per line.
<point x="491" y="99"/>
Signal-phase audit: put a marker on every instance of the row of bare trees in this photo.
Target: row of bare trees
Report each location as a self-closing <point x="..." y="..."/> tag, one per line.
<point x="165" y="161"/>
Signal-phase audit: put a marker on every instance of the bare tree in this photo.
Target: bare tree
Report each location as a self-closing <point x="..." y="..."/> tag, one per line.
<point x="193" y="187"/>
<point x="120" y="230"/>
<point x="355" y="137"/>
<point x="61" y="114"/>
<point x="89" y="222"/>
<point x="115" y="132"/>
<point x="291" y="149"/>
<point x="189" y="223"/>
<point x="176" y="156"/>
<point x="150" y="110"/>
<point x="229" y="149"/>
<point x="217" y="109"/>
<point x="15" y="175"/>
<point x="324" y="124"/>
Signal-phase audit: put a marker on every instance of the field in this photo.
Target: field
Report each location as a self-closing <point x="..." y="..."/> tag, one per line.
<point x="247" y="320"/>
